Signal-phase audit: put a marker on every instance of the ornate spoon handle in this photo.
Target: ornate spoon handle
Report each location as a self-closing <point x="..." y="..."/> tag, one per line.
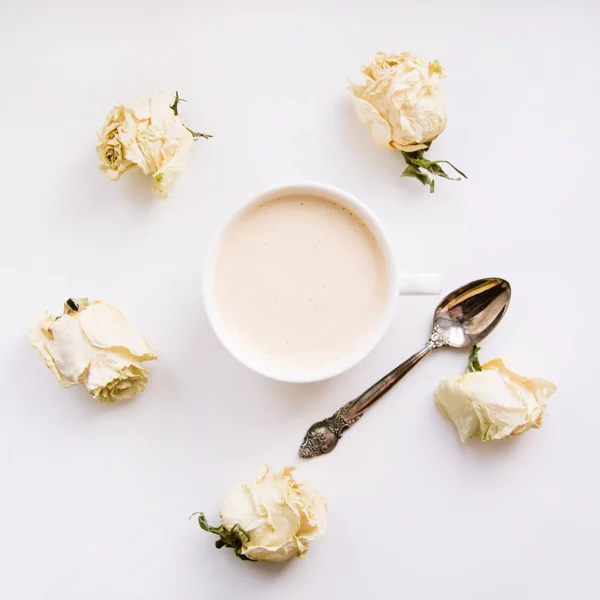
<point x="323" y="436"/>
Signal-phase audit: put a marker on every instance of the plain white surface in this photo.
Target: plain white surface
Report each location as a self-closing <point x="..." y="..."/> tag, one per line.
<point x="94" y="499"/>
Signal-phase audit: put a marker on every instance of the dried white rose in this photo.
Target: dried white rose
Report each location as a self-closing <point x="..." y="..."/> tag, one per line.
<point x="402" y="101"/>
<point x="272" y="518"/>
<point x="493" y="403"/>
<point x="95" y="345"/>
<point x="147" y="134"/>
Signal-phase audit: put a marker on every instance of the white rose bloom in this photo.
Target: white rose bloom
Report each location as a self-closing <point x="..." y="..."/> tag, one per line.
<point x="95" y="345"/>
<point x="493" y="403"/>
<point x="274" y="517"/>
<point x="401" y="100"/>
<point x="147" y="134"/>
<point x="111" y="151"/>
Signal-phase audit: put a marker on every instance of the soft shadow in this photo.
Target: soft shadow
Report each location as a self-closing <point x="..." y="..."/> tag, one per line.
<point x="267" y="568"/>
<point x="133" y="189"/>
<point x="300" y="394"/>
<point x="297" y="395"/>
<point x="137" y="188"/>
<point x="251" y="571"/>
<point x="478" y="448"/>
<point x="366" y="161"/>
<point x="43" y="390"/>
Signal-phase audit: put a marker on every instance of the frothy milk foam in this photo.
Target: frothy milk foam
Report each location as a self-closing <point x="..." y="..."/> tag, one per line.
<point x="300" y="282"/>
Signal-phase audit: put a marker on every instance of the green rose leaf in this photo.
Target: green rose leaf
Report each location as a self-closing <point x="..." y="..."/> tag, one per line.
<point x="412" y="171"/>
<point x="418" y="166"/>
<point x="175" y="108"/>
<point x="473" y="365"/>
<point x="228" y="538"/>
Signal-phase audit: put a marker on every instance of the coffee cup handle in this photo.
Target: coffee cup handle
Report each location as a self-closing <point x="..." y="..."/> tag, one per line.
<point x="420" y="284"/>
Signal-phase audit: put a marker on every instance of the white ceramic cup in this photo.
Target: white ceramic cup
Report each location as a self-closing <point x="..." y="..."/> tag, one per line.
<point x="397" y="283"/>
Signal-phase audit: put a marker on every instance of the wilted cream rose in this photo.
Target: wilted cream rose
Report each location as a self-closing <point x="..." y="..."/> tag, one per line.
<point x="111" y="152"/>
<point x="493" y="403"/>
<point x="272" y="518"/>
<point x="95" y="345"/>
<point x="147" y="134"/>
<point x="401" y="100"/>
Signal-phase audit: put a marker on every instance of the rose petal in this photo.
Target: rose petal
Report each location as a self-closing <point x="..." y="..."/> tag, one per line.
<point x="314" y="513"/>
<point x="542" y="389"/>
<point x="39" y="336"/>
<point x="239" y="508"/>
<point x="453" y="403"/>
<point x="107" y="327"/>
<point x="288" y="549"/>
<point x="500" y="410"/>
<point x="140" y="110"/>
<point x="380" y="129"/>
<point x="410" y="148"/>
<point x="161" y="114"/>
<point x="63" y="346"/>
<point x="116" y="368"/>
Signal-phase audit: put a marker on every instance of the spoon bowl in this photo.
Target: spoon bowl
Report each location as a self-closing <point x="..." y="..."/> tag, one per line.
<point x="470" y="313"/>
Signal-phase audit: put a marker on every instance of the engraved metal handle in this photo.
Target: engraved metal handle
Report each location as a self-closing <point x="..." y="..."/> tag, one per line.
<point x="323" y="436"/>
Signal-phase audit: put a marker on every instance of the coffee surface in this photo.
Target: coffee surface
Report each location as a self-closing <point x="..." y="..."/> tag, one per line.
<point x="300" y="282"/>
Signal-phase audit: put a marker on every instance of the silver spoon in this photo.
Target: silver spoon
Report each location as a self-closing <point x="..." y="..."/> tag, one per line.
<point x="461" y="320"/>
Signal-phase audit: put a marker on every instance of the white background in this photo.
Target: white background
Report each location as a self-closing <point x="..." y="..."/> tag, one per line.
<point x="95" y="499"/>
